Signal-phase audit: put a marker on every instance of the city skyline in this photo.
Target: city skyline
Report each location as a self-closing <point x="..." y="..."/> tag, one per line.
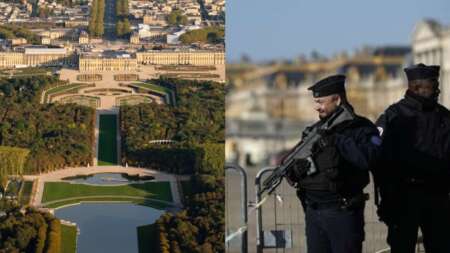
<point x="287" y="40"/>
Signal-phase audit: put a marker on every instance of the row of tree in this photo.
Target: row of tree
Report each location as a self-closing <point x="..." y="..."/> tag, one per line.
<point x="199" y="228"/>
<point x="56" y="135"/>
<point x="176" y="17"/>
<point x="122" y="9"/>
<point x="123" y="28"/>
<point x="213" y="35"/>
<point x="12" y="161"/>
<point x="8" y="31"/>
<point x="29" y="231"/>
<point x="180" y="159"/>
<point x="37" y="138"/>
<point x="96" y="26"/>
<point x="198" y="117"/>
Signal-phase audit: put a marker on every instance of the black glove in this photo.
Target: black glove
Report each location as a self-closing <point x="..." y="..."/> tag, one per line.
<point x="297" y="171"/>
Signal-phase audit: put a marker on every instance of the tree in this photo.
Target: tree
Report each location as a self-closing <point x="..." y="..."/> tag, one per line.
<point x="43" y="129"/>
<point x="97" y="12"/>
<point x="125" y="8"/>
<point x="119" y="28"/>
<point x="12" y="161"/>
<point x="118" y="8"/>
<point x="212" y="35"/>
<point x="126" y="27"/>
<point x="28" y="232"/>
<point x="176" y="17"/>
<point x="41" y="237"/>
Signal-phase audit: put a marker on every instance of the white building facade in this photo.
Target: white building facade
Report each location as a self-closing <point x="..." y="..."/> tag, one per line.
<point x="431" y="46"/>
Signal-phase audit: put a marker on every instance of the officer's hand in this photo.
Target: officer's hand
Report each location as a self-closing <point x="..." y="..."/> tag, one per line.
<point x="297" y="171"/>
<point x="290" y="177"/>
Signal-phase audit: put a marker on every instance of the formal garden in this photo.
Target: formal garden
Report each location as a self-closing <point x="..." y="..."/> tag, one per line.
<point x="43" y="137"/>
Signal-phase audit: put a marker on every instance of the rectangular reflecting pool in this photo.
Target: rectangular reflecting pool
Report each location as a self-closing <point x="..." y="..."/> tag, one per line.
<point x="108" y="227"/>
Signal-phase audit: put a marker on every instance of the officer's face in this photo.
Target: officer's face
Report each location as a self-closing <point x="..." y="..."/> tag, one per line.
<point x="326" y="105"/>
<point x="425" y="88"/>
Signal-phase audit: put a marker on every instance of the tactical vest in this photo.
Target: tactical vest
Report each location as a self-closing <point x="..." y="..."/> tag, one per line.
<point x="341" y="177"/>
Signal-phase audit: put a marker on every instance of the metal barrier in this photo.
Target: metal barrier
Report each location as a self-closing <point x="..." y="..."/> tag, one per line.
<point x="244" y="203"/>
<point x="280" y="220"/>
<point x="259" y="229"/>
<point x="281" y="227"/>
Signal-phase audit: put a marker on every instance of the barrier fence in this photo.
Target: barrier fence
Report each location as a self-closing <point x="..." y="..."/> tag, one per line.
<point x="277" y="225"/>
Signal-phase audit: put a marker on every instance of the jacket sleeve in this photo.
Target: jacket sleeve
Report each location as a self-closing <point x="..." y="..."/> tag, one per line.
<point x="361" y="148"/>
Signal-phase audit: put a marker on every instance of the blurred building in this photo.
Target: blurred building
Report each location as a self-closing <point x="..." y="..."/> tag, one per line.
<point x="134" y="38"/>
<point x="83" y="38"/>
<point x="254" y="138"/>
<point x="375" y="79"/>
<point x="431" y="45"/>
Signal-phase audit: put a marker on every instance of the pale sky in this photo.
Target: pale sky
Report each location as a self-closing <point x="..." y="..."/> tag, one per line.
<point x="284" y="29"/>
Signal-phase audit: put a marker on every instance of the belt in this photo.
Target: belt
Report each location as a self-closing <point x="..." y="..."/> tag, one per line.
<point x="324" y="205"/>
<point x="342" y="203"/>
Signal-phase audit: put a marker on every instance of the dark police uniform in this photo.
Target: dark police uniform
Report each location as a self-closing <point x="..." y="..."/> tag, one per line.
<point x="333" y="197"/>
<point x="413" y="174"/>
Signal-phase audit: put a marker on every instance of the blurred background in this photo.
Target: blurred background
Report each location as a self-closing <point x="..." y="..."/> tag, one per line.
<point x="276" y="49"/>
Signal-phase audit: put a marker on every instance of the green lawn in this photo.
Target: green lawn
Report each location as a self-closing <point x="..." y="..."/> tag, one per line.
<point x="142" y="202"/>
<point x="107" y="143"/>
<point x="25" y="193"/>
<point x="68" y="239"/>
<point x="158" y="89"/>
<point x="62" y="89"/>
<point x="154" y="87"/>
<point x="146" y="238"/>
<point x="62" y="190"/>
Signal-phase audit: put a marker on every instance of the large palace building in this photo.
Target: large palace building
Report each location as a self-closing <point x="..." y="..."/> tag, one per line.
<point x="108" y="61"/>
<point x="181" y="57"/>
<point x="36" y="57"/>
<point x="99" y="63"/>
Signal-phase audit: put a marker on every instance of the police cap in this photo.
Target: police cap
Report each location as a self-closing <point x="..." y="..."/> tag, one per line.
<point x="330" y="85"/>
<point x="422" y="72"/>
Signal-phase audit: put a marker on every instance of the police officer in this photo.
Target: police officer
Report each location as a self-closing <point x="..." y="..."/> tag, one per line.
<point x="333" y="197"/>
<point x="413" y="176"/>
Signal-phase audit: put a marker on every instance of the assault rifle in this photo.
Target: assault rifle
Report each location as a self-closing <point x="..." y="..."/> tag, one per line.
<point x="303" y="149"/>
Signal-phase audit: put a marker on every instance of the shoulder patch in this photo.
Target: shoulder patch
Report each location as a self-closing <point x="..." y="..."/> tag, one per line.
<point x="380" y="130"/>
<point x="376" y="140"/>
